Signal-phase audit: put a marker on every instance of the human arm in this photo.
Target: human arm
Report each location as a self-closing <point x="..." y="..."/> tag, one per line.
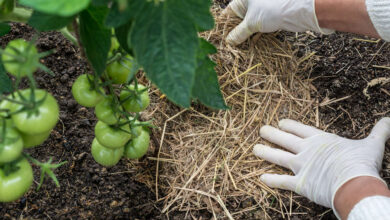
<point x="355" y="190"/>
<point x="322" y="162"/>
<point x="368" y="17"/>
<point x="346" y="16"/>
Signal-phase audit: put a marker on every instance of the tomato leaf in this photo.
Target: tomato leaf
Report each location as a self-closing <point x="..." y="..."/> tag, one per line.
<point x="5" y="81"/>
<point x="95" y="37"/>
<point x="116" y="18"/>
<point x="122" y="35"/>
<point x="4" y="29"/>
<point x="165" y="44"/>
<point x="206" y="87"/>
<point x="100" y="2"/>
<point x="63" y="8"/>
<point x="46" y="22"/>
<point x="199" y="12"/>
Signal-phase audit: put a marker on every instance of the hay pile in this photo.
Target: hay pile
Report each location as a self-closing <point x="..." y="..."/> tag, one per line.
<point x="205" y="160"/>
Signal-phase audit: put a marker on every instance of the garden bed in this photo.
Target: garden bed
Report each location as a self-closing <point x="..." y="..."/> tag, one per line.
<point x="200" y="162"/>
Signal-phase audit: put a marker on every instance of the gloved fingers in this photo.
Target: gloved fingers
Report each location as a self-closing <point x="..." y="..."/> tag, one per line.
<point x="299" y="129"/>
<point x="273" y="155"/>
<point x="236" y="7"/>
<point x="381" y="130"/>
<point x="286" y="182"/>
<point x="239" y="34"/>
<point x="286" y="140"/>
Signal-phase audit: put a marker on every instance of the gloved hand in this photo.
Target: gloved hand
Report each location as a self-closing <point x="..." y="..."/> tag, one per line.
<point x="272" y="15"/>
<point x="322" y="162"/>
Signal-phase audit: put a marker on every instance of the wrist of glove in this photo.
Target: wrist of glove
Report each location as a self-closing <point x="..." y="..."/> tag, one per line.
<point x="322" y="162"/>
<point x="270" y="16"/>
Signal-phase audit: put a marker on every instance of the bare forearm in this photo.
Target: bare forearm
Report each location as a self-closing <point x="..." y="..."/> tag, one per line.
<point x="346" y="16"/>
<point x="355" y="190"/>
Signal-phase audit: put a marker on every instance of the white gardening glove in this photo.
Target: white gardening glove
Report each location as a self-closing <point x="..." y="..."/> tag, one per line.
<point x="322" y="162"/>
<point x="272" y="15"/>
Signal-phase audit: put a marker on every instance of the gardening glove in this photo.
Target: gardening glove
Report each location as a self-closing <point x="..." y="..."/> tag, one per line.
<point x="272" y="15"/>
<point x="322" y="162"/>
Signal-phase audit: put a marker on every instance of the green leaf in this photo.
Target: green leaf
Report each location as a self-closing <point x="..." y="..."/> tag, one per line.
<point x="100" y="2"/>
<point x="165" y="44"/>
<point x="199" y="12"/>
<point x="95" y="37"/>
<point x="117" y="17"/>
<point x="46" y="22"/>
<point x="206" y="87"/>
<point x="5" y="81"/>
<point x="4" y="29"/>
<point x="63" y="8"/>
<point x="122" y="35"/>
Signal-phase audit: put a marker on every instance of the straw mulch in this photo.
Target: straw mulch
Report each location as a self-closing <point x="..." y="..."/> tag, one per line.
<point x="205" y="160"/>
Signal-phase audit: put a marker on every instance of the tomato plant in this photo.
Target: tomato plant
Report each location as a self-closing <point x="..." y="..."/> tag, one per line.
<point x="119" y="71"/>
<point x="38" y="118"/>
<point x="138" y="146"/>
<point x="27" y="53"/>
<point x="33" y="140"/>
<point x="135" y="100"/>
<point x="14" y="183"/>
<point x="85" y="93"/>
<point x="106" y="156"/>
<point x="118" y="39"/>
<point x="112" y="137"/>
<point x="105" y="111"/>
<point x="11" y="145"/>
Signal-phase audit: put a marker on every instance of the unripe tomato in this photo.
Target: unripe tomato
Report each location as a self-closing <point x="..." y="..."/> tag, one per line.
<point x="111" y="137"/>
<point x="138" y="146"/>
<point x="40" y="119"/>
<point x="14" y="185"/>
<point x="33" y="140"/>
<point x="131" y="102"/>
<point x="5" y="106"/>
<point x="12" y="145"/>
<point x="105" y="112"/>
<point x="106" y="156"/>
<point x="26" y="53"/>
<point x="84" y="93"/>
<point x="119" y="71"/>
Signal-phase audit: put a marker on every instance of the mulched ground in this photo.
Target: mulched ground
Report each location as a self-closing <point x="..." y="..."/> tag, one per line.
<point x="343" y="66"/>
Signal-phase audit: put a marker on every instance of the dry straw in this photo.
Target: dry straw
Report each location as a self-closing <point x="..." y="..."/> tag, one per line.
<point x="205" y="160"/>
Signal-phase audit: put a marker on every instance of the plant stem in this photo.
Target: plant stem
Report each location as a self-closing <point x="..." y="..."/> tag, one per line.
<point x="17" y="15"/>
<point x="64" y="31"/>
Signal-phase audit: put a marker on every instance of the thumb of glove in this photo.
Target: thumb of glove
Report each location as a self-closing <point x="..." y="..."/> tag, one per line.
<point x="239" y="34"/>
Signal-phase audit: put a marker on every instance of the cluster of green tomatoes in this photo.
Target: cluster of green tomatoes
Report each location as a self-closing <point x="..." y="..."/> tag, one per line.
<point x="27" y="118"/>
<point x="117" y="103"/>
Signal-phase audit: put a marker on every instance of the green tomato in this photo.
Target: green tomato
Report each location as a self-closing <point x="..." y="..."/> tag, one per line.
<point x="105" y="112"/>
<point x="40" y="119"/>
<point x="5" y="106"/>
<point x="114" y="44"/>
<point x="27" y="54"/>
<point x="131" y="101"/>
<point x="119" y="71"/>
<point x="84" y="94"/>
<point x="138" y="146"/>
<point x="106" y="156"/>
<point x="32" y="140"/>
<point x="111" y="137"/>
<point x="14" y="185"/>
<point x="12" y="145"/>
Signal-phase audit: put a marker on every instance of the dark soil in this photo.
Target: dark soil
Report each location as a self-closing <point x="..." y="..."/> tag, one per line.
<point x="343" y="67"/>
